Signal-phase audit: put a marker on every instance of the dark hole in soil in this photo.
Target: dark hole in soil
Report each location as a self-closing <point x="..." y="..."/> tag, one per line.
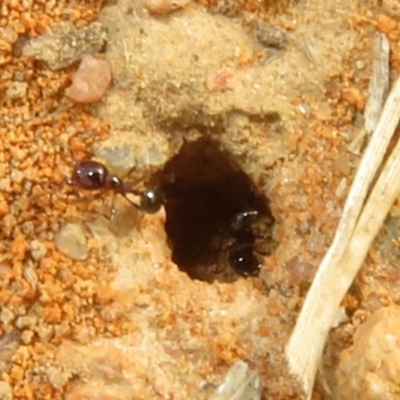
<point x="204" y="190"/>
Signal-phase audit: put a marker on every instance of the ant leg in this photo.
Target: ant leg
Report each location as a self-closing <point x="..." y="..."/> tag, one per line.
<point x="80" y="148"/>
<point x="268" y="244"/>
<point x="224" y="249"/>
<point x="113" y="212"/>
<point x="45" y="199"/>
<point x="137" y="206"/>
<point x="263" y="252"/>
<point x="70" y="182"/>
<point x="67" y="182"/>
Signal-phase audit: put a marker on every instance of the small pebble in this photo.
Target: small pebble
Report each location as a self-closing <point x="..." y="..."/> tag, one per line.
<point x="270" y="36"/>
<point x="90" y="81"/>
<point x="240" y="382"/>
<point x="38" y="249"/>
<point x="8" y="34"/>
<point x="27" y="336"/>
<point x="71" y="240"/>
<point x="30" y="275"/>
<point x="300" y="272"/>
<point x="26" y="321"/>
<point x="5" y="391"/>
<point x="16" y="90"/>
<point x="6" y="315"/>
<point x="164" y="6"/>
<point x="391" y="7"/>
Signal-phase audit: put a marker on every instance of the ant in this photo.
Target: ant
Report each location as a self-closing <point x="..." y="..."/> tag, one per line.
<point x="241" y="255"/>
<point x="92" y="175"/>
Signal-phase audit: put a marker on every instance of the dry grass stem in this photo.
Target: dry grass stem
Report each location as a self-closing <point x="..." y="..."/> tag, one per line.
<point x="361" y="220"/>
<point x="379" y="83"/>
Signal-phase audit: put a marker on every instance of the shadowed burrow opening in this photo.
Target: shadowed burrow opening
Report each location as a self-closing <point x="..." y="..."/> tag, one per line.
<point x="218" y="225"/>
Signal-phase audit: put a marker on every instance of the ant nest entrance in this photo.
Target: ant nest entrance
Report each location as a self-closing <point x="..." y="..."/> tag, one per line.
<point x="219" y="226"/>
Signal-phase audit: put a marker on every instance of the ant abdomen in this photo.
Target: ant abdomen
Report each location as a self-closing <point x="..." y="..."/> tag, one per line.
<point x="151" y="201"/>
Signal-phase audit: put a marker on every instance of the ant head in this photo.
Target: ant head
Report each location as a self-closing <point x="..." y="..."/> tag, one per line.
<point x="242" y="259"/>
<point x="88" y="174"/>
<point x="151" y="201"/>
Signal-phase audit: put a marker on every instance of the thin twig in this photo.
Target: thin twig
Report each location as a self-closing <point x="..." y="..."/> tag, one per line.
<point x="379" y="84"/>
<point x="357" y="229"/>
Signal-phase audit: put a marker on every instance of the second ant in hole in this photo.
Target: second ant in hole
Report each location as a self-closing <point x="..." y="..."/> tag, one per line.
<point x="241" y="253"/>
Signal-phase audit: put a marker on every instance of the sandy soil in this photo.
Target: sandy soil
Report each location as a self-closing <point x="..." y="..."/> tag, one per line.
<point x="224" y="105"/>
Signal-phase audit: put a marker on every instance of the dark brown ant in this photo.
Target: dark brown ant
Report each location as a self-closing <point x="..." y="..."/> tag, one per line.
<point x="242" y="259"/>
<point x="92" y="175"/>
<point x="241" y="253"/>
